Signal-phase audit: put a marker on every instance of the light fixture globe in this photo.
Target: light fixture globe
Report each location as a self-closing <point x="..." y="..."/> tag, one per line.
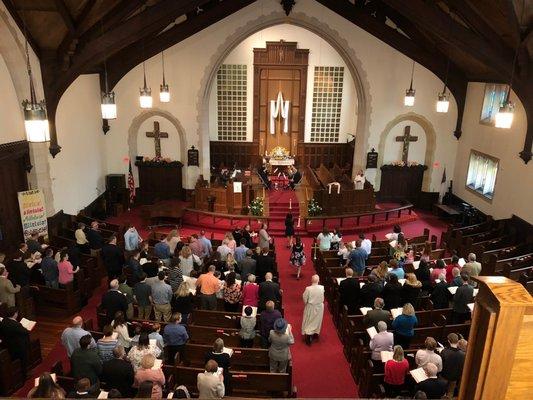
<point x="35" y="121"/>
<point x="164" y="93"/>
<point x="109" y="107"/>
<point x="409" y="99"/>
<point x="443" y="103"/>
<point x="505" y="115"/>
<point x="145" y="98"/>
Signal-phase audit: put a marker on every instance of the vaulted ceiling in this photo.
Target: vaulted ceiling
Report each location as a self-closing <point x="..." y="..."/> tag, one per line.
<point x="464" y="40"/>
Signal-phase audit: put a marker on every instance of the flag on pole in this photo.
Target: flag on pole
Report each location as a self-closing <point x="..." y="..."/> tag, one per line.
<point x="443" y="180"/>
<point x="131" y="184"/>
<point x="443" y="187"/>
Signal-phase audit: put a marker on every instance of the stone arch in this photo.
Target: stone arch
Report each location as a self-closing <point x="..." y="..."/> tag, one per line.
<point x="156" y="112"/>
<point x="431" y="144"/>
<point x="333" y="37"/>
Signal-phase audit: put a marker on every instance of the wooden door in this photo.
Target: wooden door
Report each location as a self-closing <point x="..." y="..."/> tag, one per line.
<point x="279" y="68"/>
<point x="14" y="159"/>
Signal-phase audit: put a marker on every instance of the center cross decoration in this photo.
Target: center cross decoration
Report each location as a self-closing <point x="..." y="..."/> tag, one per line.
<point x="406" y="138"/>
<point x="157" y="135"/>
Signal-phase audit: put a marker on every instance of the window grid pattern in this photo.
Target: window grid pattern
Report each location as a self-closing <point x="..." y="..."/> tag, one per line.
<point x="482" y="171"/>
<point x="327" y="100"/>
<point x="232" y="102"/>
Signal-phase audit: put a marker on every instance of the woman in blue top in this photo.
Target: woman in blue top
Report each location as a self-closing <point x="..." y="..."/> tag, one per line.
<point x="403" y="326"/>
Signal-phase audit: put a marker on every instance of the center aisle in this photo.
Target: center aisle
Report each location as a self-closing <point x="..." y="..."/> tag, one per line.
<point x="320" y="370"/>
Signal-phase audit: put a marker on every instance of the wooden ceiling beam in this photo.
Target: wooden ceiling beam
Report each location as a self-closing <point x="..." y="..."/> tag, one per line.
<point x="10" y="6"/>
<point x="62" y="9"/>
<point x="71" y="36"/>
<point x="123" y="62"/>
<point x="434" y="20"/>
<point x="512" y="19"/>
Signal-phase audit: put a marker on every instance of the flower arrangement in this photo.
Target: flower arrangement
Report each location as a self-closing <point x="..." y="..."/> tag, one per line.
<point x="257" y="206"/>
<point x="279" y="153"/>
<point x="404" y="164"/>
<point x="313" y="208"/>
<point x="157" y="159"/>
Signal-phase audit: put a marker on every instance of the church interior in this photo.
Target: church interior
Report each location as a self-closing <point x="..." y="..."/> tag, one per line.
<point x="265" y="198"/>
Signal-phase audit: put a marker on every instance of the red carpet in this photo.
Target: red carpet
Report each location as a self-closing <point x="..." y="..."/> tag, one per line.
<point x="320" y="370"/>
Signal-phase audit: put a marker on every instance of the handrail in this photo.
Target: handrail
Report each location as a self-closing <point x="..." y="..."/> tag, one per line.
<point x="231" y="217"/>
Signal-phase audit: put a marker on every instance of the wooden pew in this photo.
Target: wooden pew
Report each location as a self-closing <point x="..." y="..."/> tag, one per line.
<point x="58" y="302"/>
<point x="11" y="375"/>
<point x="242" y="359"/>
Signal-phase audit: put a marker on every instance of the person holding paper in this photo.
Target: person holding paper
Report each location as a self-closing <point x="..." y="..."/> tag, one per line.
<point x="378" y="314"/>
<point x="46" y="389"/>
<point x="85" y="363"/>
<point x="453" y="360"/>
<point x="404" y="325"/>
<point x="423" y="274"/>
<point x="440" y="268"/>
<point x="222" y="358"/>
<point x="118" y="373"/>
<point x="349" y="291"/>
<point x="463" y="296"/>
<point x="7" y="289"/>
<point x="250" y="292"/>
<point x="313" y="298"/>
<point x="83" y="390"/>
<point x="15" y="337"/>
<point x="370" y="290"/>
<point x="247" y="332"/>
<point x="381" y="272"/>
<point x="383" y="341"/>
<point x="441" y="296"/>
<point x="107" y="344"/>
<point x="395" y="372"/>
<point x="450" y="267"/>
<point x="146" y="372"/>
<point x="457" y="281"/>
<point x="210" y="383"/>
<point x="175" y="336"/>
<point x="433" y="387"/>
<point x="183" y="302"/>
<point x="392" y="293"/>
<point x="280" y="339"/>
<point x="411" y="289"/>
<point x="428" y="355"/>
<point x="137" y="353"/>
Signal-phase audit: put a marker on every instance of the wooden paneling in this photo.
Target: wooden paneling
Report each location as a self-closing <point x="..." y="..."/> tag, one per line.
<point x="159" y="181"/>
<point x="240" y="154"/>
<point x="401" y="183"/>
<point x="14" y="158"/>
<point x="314" y="154"/>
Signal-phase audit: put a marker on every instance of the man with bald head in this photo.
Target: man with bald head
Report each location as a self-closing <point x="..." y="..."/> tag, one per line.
<point x="314" y="310"/>
<point x="433" y="387"/>
<point x="269" y="291"/>
<point x="349" y="291"/>
<point x="113" y="300"/>
<point x="70" y="338"/>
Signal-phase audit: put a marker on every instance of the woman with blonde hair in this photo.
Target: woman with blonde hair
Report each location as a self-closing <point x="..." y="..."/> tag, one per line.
<point x="146" y="373"/>
<point x="395" y="372"/>
<point x="411" y="289"/>
<point x="381" y="272"/>
<point x="428" y="355"/>
<point x="232" y="244"/>
<point x="231" y="263"/>
<point x="183" y="301"/>
<point x="188" y="260"/>
<point x="426" y="252"/>
<point x="173" y="239"/>
<point x="404" y="325"/>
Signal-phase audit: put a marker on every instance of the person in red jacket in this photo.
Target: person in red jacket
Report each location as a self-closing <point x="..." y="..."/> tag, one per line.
<point x="450" y="267"/>
<point x="395" y="372"/>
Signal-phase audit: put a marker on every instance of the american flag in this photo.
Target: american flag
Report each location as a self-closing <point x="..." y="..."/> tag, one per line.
<point x="131" y="185"/>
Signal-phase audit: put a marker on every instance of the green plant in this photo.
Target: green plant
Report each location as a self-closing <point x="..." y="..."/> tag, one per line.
<point x="257" y="206"/>
<point x="313" y="208"/>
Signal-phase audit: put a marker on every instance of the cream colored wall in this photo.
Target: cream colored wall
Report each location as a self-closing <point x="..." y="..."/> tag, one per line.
<point x="11" y="117"/>
<point x="393" y="149"/>
<point x="513" y="192"/>
<point x="78" y="172"/>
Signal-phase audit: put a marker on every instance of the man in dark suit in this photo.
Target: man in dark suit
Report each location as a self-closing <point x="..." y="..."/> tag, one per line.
<point x="433" y="387"/>
<point x="113" y="301"/>
<point x="269" y="290"/>
<point x="118" y="373"/>
<point x="462" y="297"/>
<point x="372" y="317"/>
<point x="113" y="258"/>
<point x="85" y="362"/>
<point x="265" y="263"/>
<point x="94" y="237"/>
<point x="350" y="291"/>
<point x="370" y="291"/>
<point x="19" y="273"/>
<point x="15" y="337"/>
<point x="453" y="360"/>
<point x="247" y="266"/>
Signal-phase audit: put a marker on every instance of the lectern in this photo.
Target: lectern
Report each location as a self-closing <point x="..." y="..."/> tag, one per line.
<point x="499" y="360"/>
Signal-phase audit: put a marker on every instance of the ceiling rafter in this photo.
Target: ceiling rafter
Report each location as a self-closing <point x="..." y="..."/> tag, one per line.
<point x="20" y="23"/>
<point x="70" y="37"/>
<point x="65" y="15"/>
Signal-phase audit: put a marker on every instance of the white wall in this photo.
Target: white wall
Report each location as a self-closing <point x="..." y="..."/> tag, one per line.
<point x="78" y="172"/>
<point x="394" y="149"/>
<point x="513" y="192"/>
<point x="11" y="117"/>
<point x="321" y="53"/>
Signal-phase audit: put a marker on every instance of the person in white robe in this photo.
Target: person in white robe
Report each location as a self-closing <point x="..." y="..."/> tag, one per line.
<point x="359" y="180"/>
<point x="313" y="297"/>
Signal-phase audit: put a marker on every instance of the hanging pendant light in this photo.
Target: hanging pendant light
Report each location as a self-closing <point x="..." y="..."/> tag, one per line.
<point x="109" y="107"/>
<point x="145" y="98"/>
<point x="35" y="119"/>
<point x="409" y="99"/>
<point x="442" y="102"/>
<point x="164" y="92"/>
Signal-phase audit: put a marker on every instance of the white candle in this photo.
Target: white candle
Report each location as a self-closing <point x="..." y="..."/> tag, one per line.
<point x="298" y="221"/>
<point x="290" y="204"/>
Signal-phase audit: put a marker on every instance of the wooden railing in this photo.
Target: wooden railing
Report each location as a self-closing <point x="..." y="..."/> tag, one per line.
<point x="231" y="217"/>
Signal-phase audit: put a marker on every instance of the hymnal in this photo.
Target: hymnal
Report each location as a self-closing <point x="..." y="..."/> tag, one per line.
<point x="372" y="332"/>
<point x="419" y="375"/>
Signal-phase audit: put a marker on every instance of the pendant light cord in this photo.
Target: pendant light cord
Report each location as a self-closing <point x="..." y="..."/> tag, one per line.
<point x="105" y="61"/>
<point x="516" y="52"/>
<point x="412" y="74"/>
<point x="33" y="96"/>
<point x="163" y="64"/>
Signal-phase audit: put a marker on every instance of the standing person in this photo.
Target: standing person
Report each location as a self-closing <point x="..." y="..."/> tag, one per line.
<point x="106" y="344"/>
<point x="349" y="291"/>
<point x="453" y="360"/>
<point x="223" y="359"/>
<point x="142" y="348"/>
<point x="7" y="290"/>
<point x="126" y="290"/>
<point x="134" y="265"/>
<point x="15" y="337"/>
<point x="336" y="239"/>
<point x="81" y="239"/>
<point x="162" y="250"/>
<point x="50" y="269"/>
<point x="175" y="336"/>
<point x="250" y="292"/>
<point x="197" y="246"/>
<point x="324" y="239"/>
<point x="118" y="373"/>
<point x="357" y="259"/>
<point x="47" y="389"/>
<point x="267" y="319"/>
<point x="142" y="295"/>
<point x="411" y="289"/>
<point x="313" y="298"/>
<point x="280" y="339"/>
<point x="208" y="285"/>
<point x="383" y="341"/>
<point x="113" y="300"/>
<point x="70" y="338"/>
<point x="173" y="239"/>
<point x="85" y="362"/>
<point x="188" y="260"/>
<point x="462" y="297"/>
<point x="265" y="264"/>
<point x="232" y="293"/>
<point x="269" y="291"/>
<point x="289" y="230"/>
<point x="377" y="314"/>
<point x="247" y="323"/>
<point x="112" y="257"/>
<point x="404" y="325"/>
<point x="240" y="252"/>
<point x="472" y="267"/>
<point x="232" y="243"/>
<point x="392" y="293"/>
<point x="298" y="256"/>
<point x="246" y="234"/>
<point x="161" y="296"/>
<point x="450" y="267"/>
<point x="395" y="372"/>
<point x="210" y="384"/>
<point x="121" y="328"/>
<point x="94" y="237"/>
<point x="175" y="274"/>
<point x="206" y="242"/>
<point x="66" y="270"/>
<point x="147" y="373"/>
<point x="264" y="237"/>
<point x="441" y="296"/>
<point x="132" y="239"/>
<point x="247" y="265"/>
<point x="366" y="244"/>
<point x="183" y="302"/>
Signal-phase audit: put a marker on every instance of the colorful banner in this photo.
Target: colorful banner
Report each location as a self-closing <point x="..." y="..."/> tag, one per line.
<point x="33" y="212"/>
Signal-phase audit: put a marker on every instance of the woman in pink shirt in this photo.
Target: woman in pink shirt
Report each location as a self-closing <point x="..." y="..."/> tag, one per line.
<point x="250" y="292"/>
<point x="146" y="373"/>
<point x="440" y="268"/>
<point x="66" y="270"/>
<point x="232" y="244"/>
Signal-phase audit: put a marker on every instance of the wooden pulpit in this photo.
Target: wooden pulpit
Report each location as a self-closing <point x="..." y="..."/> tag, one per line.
<point x="159" y="181"/>
<point x="499" y="359"/>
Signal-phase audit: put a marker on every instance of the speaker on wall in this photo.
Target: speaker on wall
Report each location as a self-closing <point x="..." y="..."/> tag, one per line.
<point x="115" y="182"/>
